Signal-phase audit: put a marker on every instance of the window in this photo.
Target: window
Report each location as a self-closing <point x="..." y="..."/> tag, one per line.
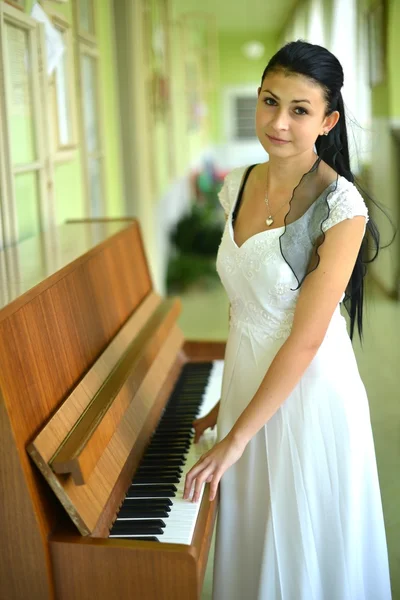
<point x="245" y="108"/>
<point x="25" y="193"/>
<point x="89" y="108"/>
<point x="239" y="109"/>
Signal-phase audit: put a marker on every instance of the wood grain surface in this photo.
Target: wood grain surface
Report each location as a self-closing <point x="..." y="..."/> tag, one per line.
<point x="61" y="309"/>
<point x="73" y="302"/>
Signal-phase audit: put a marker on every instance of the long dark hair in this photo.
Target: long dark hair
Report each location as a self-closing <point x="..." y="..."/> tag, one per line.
<point x="322" y="67"/>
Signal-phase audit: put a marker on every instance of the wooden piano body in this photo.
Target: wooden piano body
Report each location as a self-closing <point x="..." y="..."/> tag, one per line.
<point x="82" y="328"/>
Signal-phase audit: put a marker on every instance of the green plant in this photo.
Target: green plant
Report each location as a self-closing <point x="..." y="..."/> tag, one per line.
<point x="195" y="241"/>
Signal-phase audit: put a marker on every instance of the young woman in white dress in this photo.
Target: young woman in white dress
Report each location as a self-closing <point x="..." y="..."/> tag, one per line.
<point x="300" y="514"/>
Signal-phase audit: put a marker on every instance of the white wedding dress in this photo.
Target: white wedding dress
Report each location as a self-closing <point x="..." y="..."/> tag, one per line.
<point x="300" y="513"/>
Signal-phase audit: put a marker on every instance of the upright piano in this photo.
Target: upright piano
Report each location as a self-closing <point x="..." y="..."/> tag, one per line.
<point x="98" y="391"/>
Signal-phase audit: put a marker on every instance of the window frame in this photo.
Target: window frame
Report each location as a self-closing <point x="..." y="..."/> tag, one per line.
<point x="42" y="164"/>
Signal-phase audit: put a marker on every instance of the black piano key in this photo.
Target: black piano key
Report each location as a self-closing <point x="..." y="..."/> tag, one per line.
<point x="140" y="523"/>
<point x="171" y="424"/>
<point x="142" y="538"/>
<point x="174" y="432"/>
<point x="127" y="512"/>
<point x="171" y="445"/>
<point x="194" y="383"/>
<point x="159" y="454"/>
<point x="167" y="417"/>
<point x="152" y="491"/>
<point x="186" y="413"/>
<point x="180" y="412"/>
<point x="162" y="465"/>
<point x="176" y="427"/>
<point x="175" y="418"/>
<point x="167" y="455"/>
<point x="168" y="438"/>
<point x="151" y="460"/>
<point x="191" y="395"/>
<point x="171" y="436"/>
<point x="157" y="470"/>
<point x="170" y="427"/>
<point x="186" y="405"/>
<point x="191" y="392"/>
<point x="128" y="527"/>
<point x="161" y="450"/>
<point x="145" y="502"/>
<point x="160" y="443"/>
<point x="155" y="467"/>
<point x="149" y="478"/>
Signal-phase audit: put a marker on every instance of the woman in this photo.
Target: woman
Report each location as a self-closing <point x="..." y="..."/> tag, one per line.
<point x="300" y="507"/>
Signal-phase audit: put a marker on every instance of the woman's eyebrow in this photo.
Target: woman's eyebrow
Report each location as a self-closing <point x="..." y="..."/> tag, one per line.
<point x="277" y="97"/>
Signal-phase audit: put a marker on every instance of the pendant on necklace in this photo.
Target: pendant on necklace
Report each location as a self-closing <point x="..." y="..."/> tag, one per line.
<point x="269" y="221"/>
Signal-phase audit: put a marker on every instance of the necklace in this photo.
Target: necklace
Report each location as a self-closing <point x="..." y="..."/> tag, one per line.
<point x="270" y="219"/>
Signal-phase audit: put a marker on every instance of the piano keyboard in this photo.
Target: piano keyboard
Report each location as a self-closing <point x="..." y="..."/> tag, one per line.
<point x="154" y="509"/>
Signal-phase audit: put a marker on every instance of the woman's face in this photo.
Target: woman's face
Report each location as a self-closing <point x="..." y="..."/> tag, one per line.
<point x="291" y="108"/>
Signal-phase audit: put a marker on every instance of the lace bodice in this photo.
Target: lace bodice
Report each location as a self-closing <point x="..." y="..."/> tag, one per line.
<point x="259" y="283"/>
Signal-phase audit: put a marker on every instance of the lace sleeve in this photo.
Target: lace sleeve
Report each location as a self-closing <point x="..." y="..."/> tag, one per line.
<point x="223" y="196"/>
<point x="230" y="189"/>
<point x="348" y="203"/>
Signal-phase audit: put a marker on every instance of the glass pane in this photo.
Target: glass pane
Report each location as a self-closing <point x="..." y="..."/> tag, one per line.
<point x="89" y="72"/>
<point x="27" y="204"/>
<point x="63" y="101"/>
<point x="86" y="20"/>
<point x="19" y="93"/>
<point x="95" y="187"/>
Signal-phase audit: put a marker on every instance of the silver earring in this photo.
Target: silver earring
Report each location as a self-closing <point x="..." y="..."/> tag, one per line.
<point x="326" y="133"/>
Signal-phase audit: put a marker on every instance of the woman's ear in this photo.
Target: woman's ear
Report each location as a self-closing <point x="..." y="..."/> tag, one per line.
<point x="331" y="121"/>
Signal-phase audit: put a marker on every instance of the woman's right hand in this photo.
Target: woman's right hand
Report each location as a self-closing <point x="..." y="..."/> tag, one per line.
<point x="209" y="420"/>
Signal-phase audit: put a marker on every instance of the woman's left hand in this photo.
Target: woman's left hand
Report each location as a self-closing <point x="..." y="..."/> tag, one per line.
<point x="211" y="466"/>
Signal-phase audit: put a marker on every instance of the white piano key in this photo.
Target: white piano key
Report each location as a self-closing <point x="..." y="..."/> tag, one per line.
<point x="181" y="520"/>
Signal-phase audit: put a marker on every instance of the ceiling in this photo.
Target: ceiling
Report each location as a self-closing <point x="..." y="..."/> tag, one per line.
<point x="239" y="15"/>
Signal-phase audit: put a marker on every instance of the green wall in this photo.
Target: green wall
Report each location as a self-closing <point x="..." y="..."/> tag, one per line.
<point x="112" y="121"/>
<point x="236" y="69"/>
<point x="386" y="96"/>
<point x="393" y="50"/>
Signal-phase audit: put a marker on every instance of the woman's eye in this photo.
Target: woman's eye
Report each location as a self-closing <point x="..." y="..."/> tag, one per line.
<point x="303" y="111"/>
<point x="272" y="102"/>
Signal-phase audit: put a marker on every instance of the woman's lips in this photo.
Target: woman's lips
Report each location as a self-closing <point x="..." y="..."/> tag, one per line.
<point x="277" y="141"/>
